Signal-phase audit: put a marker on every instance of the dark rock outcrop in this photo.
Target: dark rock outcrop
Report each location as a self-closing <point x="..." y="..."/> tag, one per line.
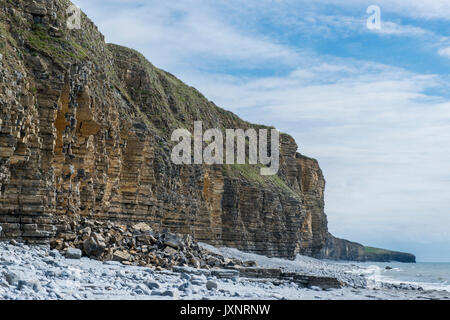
<point x="340" y="249"/>
<point x="85" y="131"/>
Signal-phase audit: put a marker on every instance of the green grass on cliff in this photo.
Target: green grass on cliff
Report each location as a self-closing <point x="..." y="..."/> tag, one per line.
<point x="252" y="173"/>
<point x="59" y="49"/>
<point x="5" y="38"/>
<point x="373" y="250"/>
<point x="3" y="44"/>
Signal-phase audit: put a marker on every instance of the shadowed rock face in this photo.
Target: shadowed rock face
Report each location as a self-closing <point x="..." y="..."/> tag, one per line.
<point x="340" y="249"/>
<point x="85" y="132"/>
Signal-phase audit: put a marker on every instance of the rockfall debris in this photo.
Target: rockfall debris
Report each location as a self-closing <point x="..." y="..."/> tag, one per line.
<point x="137" y="244"/>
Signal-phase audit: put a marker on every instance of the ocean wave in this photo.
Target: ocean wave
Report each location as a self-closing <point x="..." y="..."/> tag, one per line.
<point x="377" y="278"/>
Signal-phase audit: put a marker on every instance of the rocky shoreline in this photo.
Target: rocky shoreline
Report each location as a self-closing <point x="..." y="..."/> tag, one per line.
<point x="40" y="273"/>
<point x="138" y="245"/>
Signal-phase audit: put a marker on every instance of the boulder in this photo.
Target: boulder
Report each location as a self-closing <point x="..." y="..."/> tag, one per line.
<point x="121" y="256"/>
<point x="12" y="278"/>
<point x="171" y="293"/>
<point x="211" y="285"/>
<point x="195" y="263"/>
<point x="173" y="241"/>
<point x="152" y="285"/>
<point x="85" y="231"/>
<point x="213" y="261"/>
<point x="54" y="253"/>
<point x="32" y="284"/>
<point x="73" y="253"/>
<point x="146" y="238"/>
<point x="141" y="290"/>
<point x="142" y="227"/>
<point x="185" y="276"/>
<point x="94" y="245"/>
<point x="170" y="251"/>
<point x="168" y="293"/>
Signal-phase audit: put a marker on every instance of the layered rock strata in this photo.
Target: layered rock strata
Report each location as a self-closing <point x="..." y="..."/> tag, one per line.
<point x="85" y="132"/>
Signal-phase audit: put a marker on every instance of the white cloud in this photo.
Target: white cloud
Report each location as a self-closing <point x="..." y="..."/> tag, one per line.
<point x="419" y="9"/>
<point x="445" y="52"/>
<point x="172" y="32"/>
<point x="391" y="28"/>
<point x="349" y="24"/>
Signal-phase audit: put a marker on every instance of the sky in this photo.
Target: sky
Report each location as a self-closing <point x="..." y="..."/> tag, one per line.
<point x="372" y="105"/>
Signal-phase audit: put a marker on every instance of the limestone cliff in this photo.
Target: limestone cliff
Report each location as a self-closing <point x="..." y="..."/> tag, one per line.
<point x="340" y="249"/>
<point x="85" y="132"/>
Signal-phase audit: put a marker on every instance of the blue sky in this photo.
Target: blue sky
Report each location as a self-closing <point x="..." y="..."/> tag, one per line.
<point x="373" y="106"/>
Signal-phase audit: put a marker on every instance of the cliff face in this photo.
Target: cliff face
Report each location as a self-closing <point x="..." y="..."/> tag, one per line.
<point x="85" y="132"/>
<point x="340" y="249"/>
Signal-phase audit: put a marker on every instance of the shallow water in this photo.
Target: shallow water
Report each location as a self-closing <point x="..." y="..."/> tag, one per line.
<point x="430" y="276"/>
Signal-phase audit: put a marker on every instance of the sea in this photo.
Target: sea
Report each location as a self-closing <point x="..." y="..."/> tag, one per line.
<point x="428" y="275"/>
